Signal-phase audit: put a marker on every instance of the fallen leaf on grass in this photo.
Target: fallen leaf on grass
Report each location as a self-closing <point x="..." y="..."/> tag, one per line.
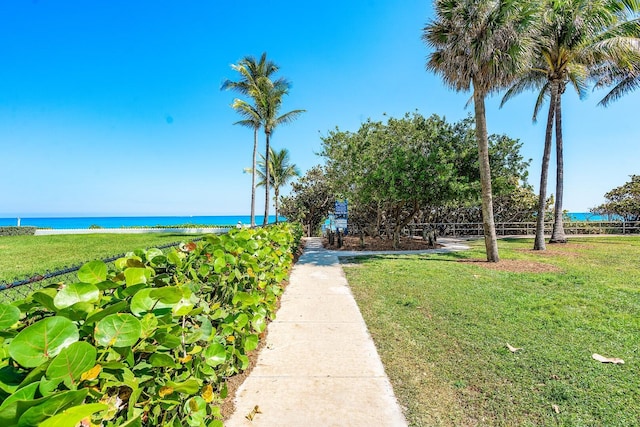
<point x="513" y="349"/>
<point x="603" y="359"/>
<point x="252" y="414"/>
<point x="556" y="408"/>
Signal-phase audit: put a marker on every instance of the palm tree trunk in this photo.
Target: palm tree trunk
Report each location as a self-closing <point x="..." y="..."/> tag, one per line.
<point x="490" y="239"/>
<point x="558" y="236"/>
<point x="276" y="194"/>
<point x="253" y="177"/>
<point x="267" y="178"/>
<point x="539" y="244"/>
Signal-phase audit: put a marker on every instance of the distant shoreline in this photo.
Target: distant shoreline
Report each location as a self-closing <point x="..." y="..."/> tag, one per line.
<point x="119" y="222"/>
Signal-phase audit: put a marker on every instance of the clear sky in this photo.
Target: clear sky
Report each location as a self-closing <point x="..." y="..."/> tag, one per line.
<point x="112" y="107"/>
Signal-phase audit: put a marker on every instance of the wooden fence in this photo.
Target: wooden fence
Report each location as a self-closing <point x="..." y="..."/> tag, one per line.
<point x="523" y="228"/>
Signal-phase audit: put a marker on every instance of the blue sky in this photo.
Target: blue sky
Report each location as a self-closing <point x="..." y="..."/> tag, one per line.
<point x="114" y="107"/>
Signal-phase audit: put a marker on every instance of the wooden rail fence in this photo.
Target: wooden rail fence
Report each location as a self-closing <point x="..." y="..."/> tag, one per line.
<point x="523" y="228"/>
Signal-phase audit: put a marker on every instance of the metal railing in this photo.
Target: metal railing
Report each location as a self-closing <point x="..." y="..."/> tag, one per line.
<point x="21" y="288"/>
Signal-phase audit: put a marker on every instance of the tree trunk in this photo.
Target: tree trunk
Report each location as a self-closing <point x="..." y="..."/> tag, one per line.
<point x="490" y="239"/>
<point x="378" y="221"/>
<point x="276" y="193"/>
<point x="267" y="178"/>
<point x="253" y="177"/>
<point x="557" y="235"/>
<point x="539" y="244"/>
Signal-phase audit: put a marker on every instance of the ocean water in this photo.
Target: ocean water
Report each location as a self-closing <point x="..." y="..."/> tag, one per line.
<point x="588" y="216"/>
<point x="131" y="221"/>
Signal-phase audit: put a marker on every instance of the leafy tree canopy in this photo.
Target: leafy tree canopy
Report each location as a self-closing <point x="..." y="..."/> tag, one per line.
<point x="407" y="168"/>
<point x="310" y="201"/>
<point x="623" y="201"/>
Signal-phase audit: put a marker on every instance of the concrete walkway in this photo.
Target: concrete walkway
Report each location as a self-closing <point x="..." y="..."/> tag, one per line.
<point x="319" y="367"/>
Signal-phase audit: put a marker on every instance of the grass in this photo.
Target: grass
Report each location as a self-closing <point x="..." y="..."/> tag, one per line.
<point x="442" y="327"/>
<point x="27" y="255"/>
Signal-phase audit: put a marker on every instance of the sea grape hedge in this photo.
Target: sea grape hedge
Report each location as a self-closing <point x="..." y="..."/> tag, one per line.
<point x="17" y="231"/>
<point x="148" y="342"/>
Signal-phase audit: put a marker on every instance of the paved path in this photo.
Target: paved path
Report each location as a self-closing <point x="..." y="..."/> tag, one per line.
<point x="319" y="366"/>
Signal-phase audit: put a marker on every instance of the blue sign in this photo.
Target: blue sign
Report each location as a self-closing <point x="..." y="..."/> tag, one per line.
<point x="341" y="208"/>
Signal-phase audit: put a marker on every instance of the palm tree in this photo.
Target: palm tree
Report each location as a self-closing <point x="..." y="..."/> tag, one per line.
<point x="253" y="121"/>
<point x="269" y="96"/>
<point x="253" y="73"/>
<point x="281" y="171"/>
<point x="479" y="44"/>
<point x="577" y="38"/>
<point x="625" y="76"/>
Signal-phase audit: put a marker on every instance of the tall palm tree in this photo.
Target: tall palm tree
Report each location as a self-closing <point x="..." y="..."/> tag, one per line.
<point x="253" y="74"/>
<point x="479" y="44"/>
<point x="268" y="102"/>
<point x="281" y="171"/>
<point x="576" y="38"/>
<point x="254" y="121"/>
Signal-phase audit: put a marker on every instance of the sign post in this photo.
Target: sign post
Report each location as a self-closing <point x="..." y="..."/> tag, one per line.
<point x="341" y="215"/>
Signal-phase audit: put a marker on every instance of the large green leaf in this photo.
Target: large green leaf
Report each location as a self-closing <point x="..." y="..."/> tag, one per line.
<point x="215" y="354"/>
<point x="142" y="303"/>
<point x="259" y="322"/>
<point x="128" y="261"/>
<point x="9" y="408"/>
<point x="182" y="308"/>
<point x="161" y="360"/>
<point x="10" y="376"/>
<point x="43" y="340"/>
<point x="72" y="416"/>
<point x="167" y="339"/>
<point x="136" y="275"/>
<point x="190" y="386"/>
<point x="167" y="294"/>
<point x="242" y="320"/>
<point x="76" y="292"/>
<point x="93" y="272"/>
<point x="118" y="330"/>
<point x="33" y="412"/>
<point x="9" y="315"/>
<point x="72" y="362"/>
<point x="174" y="258"/>
<point x="219" y="264"/>
<point x="250" y="342"/>
<point x="151" y="253"/>
<point x="45" y="297"/>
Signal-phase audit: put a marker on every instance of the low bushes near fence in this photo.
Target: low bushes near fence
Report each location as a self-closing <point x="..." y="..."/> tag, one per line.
<point x="150" y="341"/>
<point x="17" y="231"/>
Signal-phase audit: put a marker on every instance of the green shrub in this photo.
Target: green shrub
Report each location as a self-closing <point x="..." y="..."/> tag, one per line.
<point x="150" y="341"/>
<point x="17" y="231"/>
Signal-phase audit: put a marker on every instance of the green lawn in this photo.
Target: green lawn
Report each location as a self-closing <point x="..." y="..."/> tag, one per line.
<point x="26" y="255"/>
<point x="442" y="327"/>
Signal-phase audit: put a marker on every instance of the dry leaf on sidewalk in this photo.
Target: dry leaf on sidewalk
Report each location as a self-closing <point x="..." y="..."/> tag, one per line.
<point x="603" y="359"/>
<point x="252" y="414"/>
<point x="513" y="349"/>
